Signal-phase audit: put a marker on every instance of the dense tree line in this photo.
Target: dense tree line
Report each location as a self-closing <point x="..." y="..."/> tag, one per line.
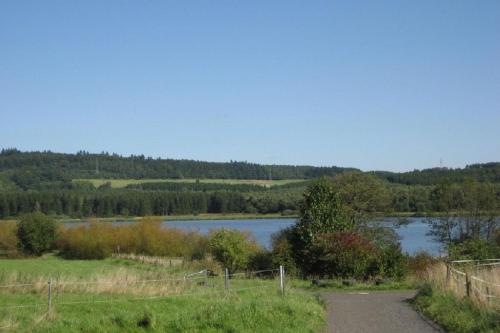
<point x="136" y="203"/>
<point x="86" y="200"/>
<point x="423" y="199"/>
<point x="48" y="169"/>
<point x="56" y="166"/>
<point x="487" y="172"/>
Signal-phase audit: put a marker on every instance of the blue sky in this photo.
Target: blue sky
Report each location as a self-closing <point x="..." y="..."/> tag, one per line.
<point x="392" y="85"/>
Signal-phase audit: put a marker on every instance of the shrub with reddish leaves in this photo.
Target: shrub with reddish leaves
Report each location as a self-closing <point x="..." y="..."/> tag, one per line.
<point x="344" y="254"/>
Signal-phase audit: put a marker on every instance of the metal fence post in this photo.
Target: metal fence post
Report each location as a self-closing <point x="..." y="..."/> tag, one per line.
<point x="282" y="280"/>
<point x="226" y="278"/>
<point x="49" y="303"/>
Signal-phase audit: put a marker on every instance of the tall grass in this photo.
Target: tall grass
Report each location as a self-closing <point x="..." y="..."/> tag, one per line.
<point x="114" y="276"/>
<point x="485" y="282"/>
<point x="8" y="239"/>
<point x="444" y="298"/>
<point x="100" y="240"/>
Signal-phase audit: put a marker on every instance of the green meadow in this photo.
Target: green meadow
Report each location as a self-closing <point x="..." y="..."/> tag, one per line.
<point x="121" y="183"/>
<point x="120" y="295"/>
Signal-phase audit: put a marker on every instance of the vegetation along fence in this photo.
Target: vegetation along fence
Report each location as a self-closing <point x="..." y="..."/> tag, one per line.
<point x="54" y="293"/>
<point x="478" y="280"/>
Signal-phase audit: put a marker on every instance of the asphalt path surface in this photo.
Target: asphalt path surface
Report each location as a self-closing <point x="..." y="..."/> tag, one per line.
<point x="381" y="311"/>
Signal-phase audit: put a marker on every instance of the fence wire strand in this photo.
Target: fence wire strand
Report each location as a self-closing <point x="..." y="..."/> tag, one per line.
<point x="187" y="278"/>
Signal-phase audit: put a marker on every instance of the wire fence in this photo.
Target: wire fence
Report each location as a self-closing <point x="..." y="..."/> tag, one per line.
<point x="478" y="280"/>
<point x="54" y="293"/>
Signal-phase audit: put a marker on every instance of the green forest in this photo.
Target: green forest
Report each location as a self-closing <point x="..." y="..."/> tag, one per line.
<point x="45" y="181"/>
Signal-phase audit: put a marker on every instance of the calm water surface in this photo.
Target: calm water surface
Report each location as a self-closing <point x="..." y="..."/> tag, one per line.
<point x="413" y="236"/>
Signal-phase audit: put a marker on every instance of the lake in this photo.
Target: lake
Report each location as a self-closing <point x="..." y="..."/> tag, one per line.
<point x="413" y="235"/>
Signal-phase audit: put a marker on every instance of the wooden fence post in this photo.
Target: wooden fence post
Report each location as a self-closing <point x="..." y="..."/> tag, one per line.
<point x="282" y="280"/>
<point x="467" y="284"/>
<point x="49" y="302"/>
<point x="448" y="275"/>
<point x="226" y="278"/>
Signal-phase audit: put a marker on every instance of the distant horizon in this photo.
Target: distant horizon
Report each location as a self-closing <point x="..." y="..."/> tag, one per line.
<point x="238" y="161"/>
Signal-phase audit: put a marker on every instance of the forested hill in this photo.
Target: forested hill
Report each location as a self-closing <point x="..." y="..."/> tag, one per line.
<point x="27" y="167"/>
<point x="81" y="185"/>
<point x="86" y="165"/>
<point x="486" y="172"/>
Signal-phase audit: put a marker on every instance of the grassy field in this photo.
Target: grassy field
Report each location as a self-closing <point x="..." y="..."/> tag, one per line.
<point x="120" y="183"/>
<point x="121" y="295"/>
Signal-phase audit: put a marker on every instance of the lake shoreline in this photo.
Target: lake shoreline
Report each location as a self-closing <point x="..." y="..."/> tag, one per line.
<point x="190" y="217"/>
<point x="222" y="216"/>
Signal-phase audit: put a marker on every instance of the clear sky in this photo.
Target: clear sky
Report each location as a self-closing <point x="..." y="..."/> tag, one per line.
<point x="392" y="85"/>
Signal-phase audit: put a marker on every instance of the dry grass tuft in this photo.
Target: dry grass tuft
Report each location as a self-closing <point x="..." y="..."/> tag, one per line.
<point x="121" y="281"/>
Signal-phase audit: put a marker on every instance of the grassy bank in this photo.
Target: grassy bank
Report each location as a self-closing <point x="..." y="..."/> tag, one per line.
<point x="443" y="297"/>
<point x="117" y="295"/>
<point x="456" y="314"/>
<point x="217" y="216"/>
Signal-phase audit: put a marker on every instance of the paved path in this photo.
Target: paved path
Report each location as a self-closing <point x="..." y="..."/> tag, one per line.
<point x="373" y="312"/>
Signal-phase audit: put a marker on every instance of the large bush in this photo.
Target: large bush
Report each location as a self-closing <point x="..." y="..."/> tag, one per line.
<point x="322" y="212"/>
<point x="391" y="262"/>
<point x="261" y="261"/>
<point x="344" y="254"/>
<point x="36" y="233"/>
<point x="232" y="248"/>
<point x="332" y="237"/>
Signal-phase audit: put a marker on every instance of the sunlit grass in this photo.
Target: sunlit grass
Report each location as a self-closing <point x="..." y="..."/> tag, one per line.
<point x="120" y="183"/>
<point x="115" y="296"/>
<point x="444" y="298"/>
